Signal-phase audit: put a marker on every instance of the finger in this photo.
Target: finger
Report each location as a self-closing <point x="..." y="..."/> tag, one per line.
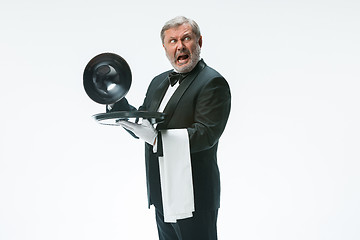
<point x="127" y="125"/>
<point x="127" y="128"/>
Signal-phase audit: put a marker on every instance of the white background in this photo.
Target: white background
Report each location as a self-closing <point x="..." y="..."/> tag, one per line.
<point x="289" y="158"/>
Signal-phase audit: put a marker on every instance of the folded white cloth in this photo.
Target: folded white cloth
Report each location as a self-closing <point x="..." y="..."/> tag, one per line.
<point x="176" y="176"/>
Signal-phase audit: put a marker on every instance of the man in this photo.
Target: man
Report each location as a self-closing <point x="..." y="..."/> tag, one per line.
<point x="183" y="179"/>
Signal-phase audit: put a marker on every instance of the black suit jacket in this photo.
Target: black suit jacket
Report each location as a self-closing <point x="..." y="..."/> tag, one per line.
<point x="201" y="104"/>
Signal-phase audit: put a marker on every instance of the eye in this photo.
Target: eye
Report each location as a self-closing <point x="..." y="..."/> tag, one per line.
<point x="172" y="41"/>
<point x="187" y="38"/>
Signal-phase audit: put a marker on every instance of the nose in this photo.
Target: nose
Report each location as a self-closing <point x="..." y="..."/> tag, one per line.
<point x="180" y="46"/>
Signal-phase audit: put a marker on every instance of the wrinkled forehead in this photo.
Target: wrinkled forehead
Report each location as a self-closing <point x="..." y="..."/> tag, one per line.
<point x="180" y="30"/>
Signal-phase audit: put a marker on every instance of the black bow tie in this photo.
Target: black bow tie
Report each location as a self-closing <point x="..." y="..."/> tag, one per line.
<point x="174" y="77"/>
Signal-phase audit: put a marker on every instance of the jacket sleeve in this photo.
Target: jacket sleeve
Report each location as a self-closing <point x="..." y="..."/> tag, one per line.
<point x="212" y="110"/>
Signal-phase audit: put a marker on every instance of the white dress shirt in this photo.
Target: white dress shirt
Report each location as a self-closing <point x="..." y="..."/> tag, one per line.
<point x="175" y="170"/>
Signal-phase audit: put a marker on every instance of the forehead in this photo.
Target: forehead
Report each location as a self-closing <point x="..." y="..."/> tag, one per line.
<point x="178" y="31"/>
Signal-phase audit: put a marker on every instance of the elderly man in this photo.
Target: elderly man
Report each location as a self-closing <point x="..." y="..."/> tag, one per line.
<point x="183" y="180"/>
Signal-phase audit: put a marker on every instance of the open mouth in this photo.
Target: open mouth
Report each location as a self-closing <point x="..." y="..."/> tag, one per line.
<point x="182" y="59"/>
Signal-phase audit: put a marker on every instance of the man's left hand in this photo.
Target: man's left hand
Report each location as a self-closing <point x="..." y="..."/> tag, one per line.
<point x="145" y="130"/>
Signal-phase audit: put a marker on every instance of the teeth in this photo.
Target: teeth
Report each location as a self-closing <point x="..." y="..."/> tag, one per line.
<point x="183" y="57"/>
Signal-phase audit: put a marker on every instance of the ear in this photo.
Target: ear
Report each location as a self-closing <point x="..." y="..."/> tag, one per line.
<point x="200" y="41"/>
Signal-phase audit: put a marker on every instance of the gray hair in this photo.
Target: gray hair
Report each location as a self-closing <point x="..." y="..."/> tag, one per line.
<point x="178" y="21"/>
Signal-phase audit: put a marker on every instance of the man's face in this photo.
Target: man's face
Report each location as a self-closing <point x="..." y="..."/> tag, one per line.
<point x="182" y="48"/>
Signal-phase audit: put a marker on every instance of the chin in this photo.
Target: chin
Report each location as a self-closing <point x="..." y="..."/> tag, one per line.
<point x="182" y="69"/>
<point x="186" y="67"/>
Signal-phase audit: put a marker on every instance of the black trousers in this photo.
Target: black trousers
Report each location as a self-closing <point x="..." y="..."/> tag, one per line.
<point x="202" y="226"/>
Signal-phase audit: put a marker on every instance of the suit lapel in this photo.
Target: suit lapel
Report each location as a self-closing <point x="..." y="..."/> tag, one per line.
<point x="158" y="95"/>
<point x="175" y="98"/>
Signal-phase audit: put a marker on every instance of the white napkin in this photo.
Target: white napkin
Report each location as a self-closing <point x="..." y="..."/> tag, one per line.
<point x="175" y="176"/>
